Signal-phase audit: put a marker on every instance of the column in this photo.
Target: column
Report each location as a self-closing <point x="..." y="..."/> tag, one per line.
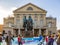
<point x="39" y="31"/>
<point x="46" y="32"/>
<point x="19" y="32"/>
<point x="33" y="32"/>
<point x="12" y="31"/>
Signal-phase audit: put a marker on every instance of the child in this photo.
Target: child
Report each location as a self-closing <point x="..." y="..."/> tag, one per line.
<point x="46" y="40"/>
<point x="19" y="40"/>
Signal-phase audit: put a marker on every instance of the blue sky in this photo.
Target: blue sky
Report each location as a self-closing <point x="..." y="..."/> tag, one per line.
<point x="51" y="6"/>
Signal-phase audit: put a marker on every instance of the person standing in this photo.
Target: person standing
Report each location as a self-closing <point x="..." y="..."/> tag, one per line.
<point x="19" y="40"/>
<point x="58" y="40"/>
<point x="0" y="39"/>
<point x="46" y="39"/>
<point x="51" y="40"/>
<point x="8" y="39"/>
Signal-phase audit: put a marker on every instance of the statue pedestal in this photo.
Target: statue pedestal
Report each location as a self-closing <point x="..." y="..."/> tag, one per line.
<point x="28" y="33"/>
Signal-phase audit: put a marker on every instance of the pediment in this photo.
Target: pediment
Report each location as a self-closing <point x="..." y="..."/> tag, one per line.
<point x="29" y="7"/>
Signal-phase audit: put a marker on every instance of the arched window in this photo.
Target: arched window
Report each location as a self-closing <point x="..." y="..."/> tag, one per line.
<point x="29" y="8"/>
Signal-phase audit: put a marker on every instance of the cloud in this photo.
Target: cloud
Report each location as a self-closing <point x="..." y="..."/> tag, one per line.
<point x="11" y="10"/>
<point x="5" y="13"/>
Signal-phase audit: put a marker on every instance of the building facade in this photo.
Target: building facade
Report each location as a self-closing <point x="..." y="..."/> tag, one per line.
<point x="41" y="23"/>
<point x="1" y="28"/>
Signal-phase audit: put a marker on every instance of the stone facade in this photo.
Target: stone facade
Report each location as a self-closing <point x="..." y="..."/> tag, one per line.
<point x="1" y="28"/>
<point x="41" y="23"/>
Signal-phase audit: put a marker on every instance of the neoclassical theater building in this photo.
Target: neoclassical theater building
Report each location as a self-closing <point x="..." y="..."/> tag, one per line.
<point x="41" y="23"/>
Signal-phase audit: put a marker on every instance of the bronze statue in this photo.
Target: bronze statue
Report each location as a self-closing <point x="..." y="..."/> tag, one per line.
<point x="28" y="25"/>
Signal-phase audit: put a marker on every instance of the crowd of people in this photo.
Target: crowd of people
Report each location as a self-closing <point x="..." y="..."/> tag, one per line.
<point x="8" y="38"/>
<point x="49" y="39"/>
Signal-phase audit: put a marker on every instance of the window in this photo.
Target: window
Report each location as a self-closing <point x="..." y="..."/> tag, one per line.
<point x="49" y="24"/>
<point x="17" y="21"/>
<point x="35" y="23"/>
<point x="29" y="8"/>
<point x="10" y="24"/>
<point x="17" y="16"/>
<point x="41" y="23"/>
<point x="36" y="16"/>
<point x="41" y="15"/>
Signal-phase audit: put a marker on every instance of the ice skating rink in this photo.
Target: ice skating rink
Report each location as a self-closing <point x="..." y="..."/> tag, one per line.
<point x="32" y="42"/>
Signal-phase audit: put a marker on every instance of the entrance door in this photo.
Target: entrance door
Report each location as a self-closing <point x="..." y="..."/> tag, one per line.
<point x="27" y="33"/>
<point x="16" y="32"/>
<point x="43" y="32"/>
<point x="36" y="32"/>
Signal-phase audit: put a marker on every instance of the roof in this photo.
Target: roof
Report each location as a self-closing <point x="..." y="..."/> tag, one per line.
<point x="50" y="18"/>
<point x="29" y="4"/>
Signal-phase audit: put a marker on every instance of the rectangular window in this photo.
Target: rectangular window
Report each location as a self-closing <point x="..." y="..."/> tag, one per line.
<point x="36" y="16"/>
<point x="10" y="24"/>
<point x="35" y="23"/>
<point x="18" y="16"/>
<point x="17" y="21"/>
<point x="41" y="23"/>
<point x="49" y="24"/>
<point x="41" y="15"/>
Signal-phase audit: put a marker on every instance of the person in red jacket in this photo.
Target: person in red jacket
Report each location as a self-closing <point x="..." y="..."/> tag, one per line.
<point x="19" y="40"/>
<point x="46" y="40"/>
